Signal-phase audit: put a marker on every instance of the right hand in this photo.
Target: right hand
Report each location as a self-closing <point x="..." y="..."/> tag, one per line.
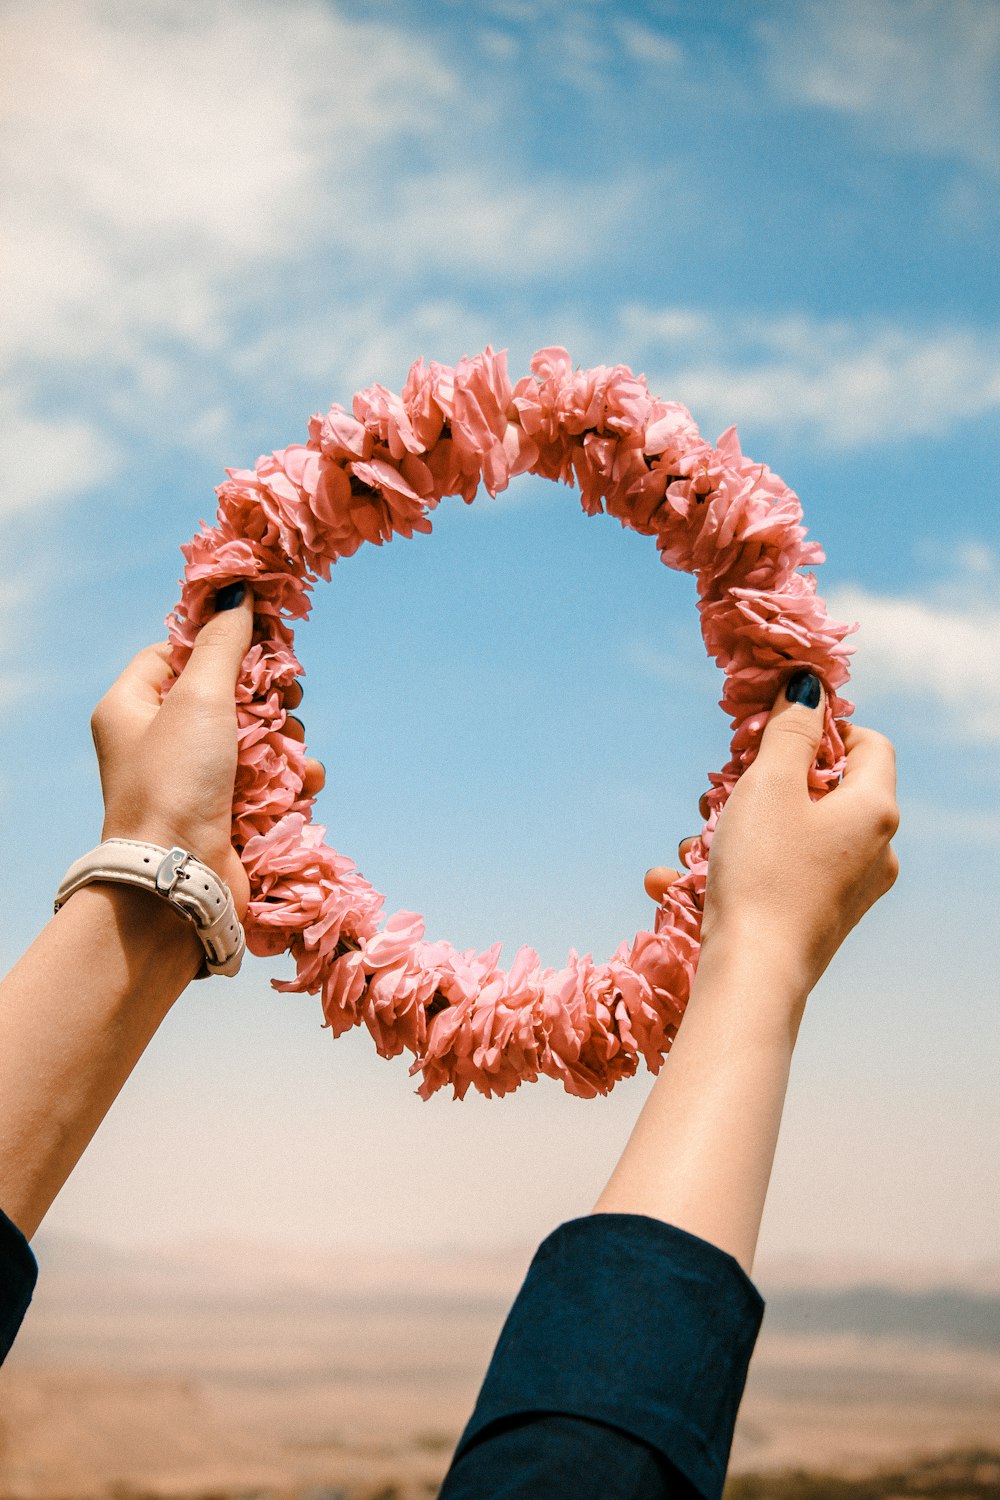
<point x="786" y="875"/>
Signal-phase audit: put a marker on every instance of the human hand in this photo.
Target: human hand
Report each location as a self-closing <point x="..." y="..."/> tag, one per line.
<point x="168" y="769"/>
<point x="789" y="877"/>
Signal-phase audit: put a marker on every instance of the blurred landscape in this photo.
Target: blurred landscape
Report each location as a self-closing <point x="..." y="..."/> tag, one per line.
<point x="250" y="1370"/>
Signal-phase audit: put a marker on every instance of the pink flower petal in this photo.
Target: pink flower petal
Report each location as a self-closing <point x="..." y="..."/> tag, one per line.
<point x="376" y="472"/>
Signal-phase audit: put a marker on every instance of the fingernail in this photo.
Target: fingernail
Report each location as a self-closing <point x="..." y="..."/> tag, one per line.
<point x="803" y="687"/>
<point x="230" y="596"/>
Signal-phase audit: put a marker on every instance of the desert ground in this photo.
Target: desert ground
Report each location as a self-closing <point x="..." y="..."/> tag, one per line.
<point x="252" y="1371"/>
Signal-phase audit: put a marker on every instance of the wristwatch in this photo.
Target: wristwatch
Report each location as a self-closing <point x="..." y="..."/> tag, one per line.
<point x="177" y="876"/>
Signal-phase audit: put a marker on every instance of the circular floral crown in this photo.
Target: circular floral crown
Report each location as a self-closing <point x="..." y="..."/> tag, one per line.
<point x="376" y="472"/>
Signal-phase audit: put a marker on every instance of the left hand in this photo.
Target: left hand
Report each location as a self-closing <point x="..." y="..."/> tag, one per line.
<point x="168" y="769"/>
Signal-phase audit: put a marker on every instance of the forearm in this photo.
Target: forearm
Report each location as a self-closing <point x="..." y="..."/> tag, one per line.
<point x="701" y="1152"/>
<point x="76" y="1013"/>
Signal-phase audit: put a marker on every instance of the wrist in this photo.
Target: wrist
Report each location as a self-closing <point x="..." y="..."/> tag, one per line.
<point x="206" y="844"/>
<point x="167" y="836"/>
<point x="151" y="928"/>
<point x="759" y="975"/>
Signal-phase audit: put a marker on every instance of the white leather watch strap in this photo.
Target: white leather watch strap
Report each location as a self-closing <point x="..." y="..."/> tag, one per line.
<point x="177" y="876"/>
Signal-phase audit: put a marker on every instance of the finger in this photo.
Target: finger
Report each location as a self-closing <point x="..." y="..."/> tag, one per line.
<point x="888" y="869"/>
<point x="314" y="779"/>
<point x="703" y="806"/>
<point x="145" y="673"/>
<point x="294" y="729"/>
<point x="683" y="847"/>
<point x="219" y="648"/>
<point x="658" y="880"/>
<point x="293" y="694"/>
<point x="164" y="649"/>
<point x="871" y="759"/>
<point x="794" y="727"/>
<point x="870" y="778"/>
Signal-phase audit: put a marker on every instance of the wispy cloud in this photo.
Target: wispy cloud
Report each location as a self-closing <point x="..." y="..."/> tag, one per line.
<point x="25" y="673"/>
<point x="938" y="650"/>
<point x="919" y="77"/>
<point x="186" y="135"/>
<point x="219" y="177"/>
<point x="49" y="458"/>
<point x="14" y="593"/>
<point x="843" y="382"/>
<point x="188" y="150"/>
<point x="649" y="45"/>
<point x="682" y="665"/>
<point x="934" y="823"/>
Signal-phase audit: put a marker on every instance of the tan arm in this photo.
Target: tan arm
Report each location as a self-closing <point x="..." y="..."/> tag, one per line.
<point x="788" y="878"/>
<point x="76" y="1013"/>
<point x="80" y="1006"/>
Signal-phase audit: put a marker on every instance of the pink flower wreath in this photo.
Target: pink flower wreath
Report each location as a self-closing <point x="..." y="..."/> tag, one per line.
<point x="379" y="472"/>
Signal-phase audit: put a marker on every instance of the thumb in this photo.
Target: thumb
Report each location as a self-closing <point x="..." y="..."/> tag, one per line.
<point x="792" y="734"/>
<point x="222" y="643"/>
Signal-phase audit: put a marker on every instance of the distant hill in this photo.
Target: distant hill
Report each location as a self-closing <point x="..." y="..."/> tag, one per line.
<point x="931" y="1304"/>
<point x="970" y="1474"/>
<point x="231" y="1368"/>
<point x="946" y="1316"/>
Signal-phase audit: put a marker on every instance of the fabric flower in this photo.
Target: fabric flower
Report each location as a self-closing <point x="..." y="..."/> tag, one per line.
<point x="377" y="471"/>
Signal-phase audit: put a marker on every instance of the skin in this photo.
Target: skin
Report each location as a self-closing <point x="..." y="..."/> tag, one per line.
<point x="788" y="879"/>
<point x="82" y="1003"/>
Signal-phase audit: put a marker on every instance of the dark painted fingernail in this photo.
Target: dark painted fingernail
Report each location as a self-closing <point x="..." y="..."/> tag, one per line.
<point x="803" y="687"/>
<point x="230" y="596"/>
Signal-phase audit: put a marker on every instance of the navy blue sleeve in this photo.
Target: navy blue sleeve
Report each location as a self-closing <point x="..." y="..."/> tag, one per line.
<point x="637" y="1336"/>
<point x="545" y="1457"/>
<point x="18" y="1274"/>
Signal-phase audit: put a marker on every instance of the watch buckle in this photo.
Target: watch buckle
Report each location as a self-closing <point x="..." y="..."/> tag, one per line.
<point x="169" y="869"/>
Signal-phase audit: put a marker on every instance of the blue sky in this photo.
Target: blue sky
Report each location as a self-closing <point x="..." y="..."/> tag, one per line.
<point x="224" y="217"/>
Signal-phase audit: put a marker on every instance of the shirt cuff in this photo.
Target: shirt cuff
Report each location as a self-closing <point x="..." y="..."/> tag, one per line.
<point x="18" y="1274"/>
<point x="635" y="1323"/>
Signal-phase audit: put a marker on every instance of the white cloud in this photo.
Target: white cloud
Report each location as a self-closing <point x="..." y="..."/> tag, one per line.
<point x="668" y="325"/>
<point x="840" y="382"/>
<point x="500" y="45"/>
<point x="936" y="651"/>
<point x="921" y="76"/>
<point x="342" y="349"/>
<point x="153" y="153"/>
<point x="933" y="823"/>
<point x="939" y="650"/>
<point x="977" y="559"/>
<point x="49" y="459"/>
<point x="178" y="177"/>
<point x="647" y="45"/>
<point x="152" y="160"/>
<point x="684" y="665"/>
<point x="470" y="220"/>
<point x="21" y="585"/>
